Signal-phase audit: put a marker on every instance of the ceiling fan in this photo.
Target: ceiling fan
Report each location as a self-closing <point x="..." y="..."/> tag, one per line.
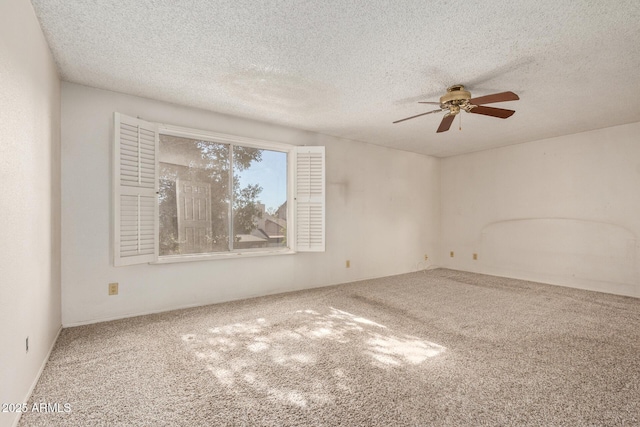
<point x="457" y="99"/>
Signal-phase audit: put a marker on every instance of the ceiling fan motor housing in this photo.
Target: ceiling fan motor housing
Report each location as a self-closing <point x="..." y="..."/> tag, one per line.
<point x="455" y="95"/>
<point x="455" y="98"/>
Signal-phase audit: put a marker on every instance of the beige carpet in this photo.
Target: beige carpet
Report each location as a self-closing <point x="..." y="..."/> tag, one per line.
<point x="438" y="347"/>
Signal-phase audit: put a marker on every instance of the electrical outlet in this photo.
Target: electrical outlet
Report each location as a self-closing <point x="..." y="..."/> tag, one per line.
<point x="426" y="257"/>
<point x="451" y="254"/>
<point x="26" y="344"/>
<point x="475" y="256"/>
<point x="348" y="264"/>
<point x="113" y="289"/>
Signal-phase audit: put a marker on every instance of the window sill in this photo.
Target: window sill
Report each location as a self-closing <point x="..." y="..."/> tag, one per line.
<point x="170" y="259"/>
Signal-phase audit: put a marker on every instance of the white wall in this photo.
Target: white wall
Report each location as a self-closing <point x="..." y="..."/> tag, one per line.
<point x="564" y="210"/>
<point x="29" y="202"/>
<point x="382" y="215"/>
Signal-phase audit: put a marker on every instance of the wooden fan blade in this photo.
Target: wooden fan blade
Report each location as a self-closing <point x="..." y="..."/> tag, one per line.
<point x="496" y="97"/>
<point x="418" y="115"/>
<point x="493" y="112"/>
<point x="445" y="124"/>
<point x="428" y="102"/>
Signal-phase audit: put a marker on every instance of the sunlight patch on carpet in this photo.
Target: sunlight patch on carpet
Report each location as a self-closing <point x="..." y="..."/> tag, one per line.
<point x="393" y="350"/>
<point x="279" y="360"/>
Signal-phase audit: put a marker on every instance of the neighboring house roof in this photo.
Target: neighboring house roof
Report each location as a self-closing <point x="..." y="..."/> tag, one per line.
<point x="258" y="232"/>
<point x="282" y="211"/>
<point x="279" y="221"/>
<point x="246" y="238"/>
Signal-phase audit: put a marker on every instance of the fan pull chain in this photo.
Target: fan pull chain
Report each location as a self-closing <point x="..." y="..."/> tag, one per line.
<point x="460" y="121"/>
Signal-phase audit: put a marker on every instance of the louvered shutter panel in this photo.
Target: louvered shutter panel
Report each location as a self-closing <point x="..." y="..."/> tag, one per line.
<point x="135" y="191"/>
<point x="310" y="199"/>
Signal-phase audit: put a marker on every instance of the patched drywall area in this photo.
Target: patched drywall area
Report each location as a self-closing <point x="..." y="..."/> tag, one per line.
<point x="30" y="201"/>
<point x="561" y="211"/>
<point x="382" y="216"/>
<point x="279" y="91"/>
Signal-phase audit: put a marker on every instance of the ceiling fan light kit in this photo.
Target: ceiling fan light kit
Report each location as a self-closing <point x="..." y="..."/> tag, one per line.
<point x="457" y="99"/>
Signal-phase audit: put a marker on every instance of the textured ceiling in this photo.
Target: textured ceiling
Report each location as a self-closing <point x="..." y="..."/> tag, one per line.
<point x="349" y="68"/>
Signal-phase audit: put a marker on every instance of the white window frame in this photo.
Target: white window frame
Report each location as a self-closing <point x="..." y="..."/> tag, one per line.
<point x="290" y="150"/>
<point x="292" y="195"/>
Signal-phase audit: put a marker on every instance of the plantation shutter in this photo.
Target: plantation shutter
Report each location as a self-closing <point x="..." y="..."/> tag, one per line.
<point x="135" y="191"/>
<point x="310" y="199"/>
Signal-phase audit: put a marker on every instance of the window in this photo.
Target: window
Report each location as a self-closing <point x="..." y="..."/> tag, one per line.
<point x="216" y="197"/>
<point x="184" y="194"/>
